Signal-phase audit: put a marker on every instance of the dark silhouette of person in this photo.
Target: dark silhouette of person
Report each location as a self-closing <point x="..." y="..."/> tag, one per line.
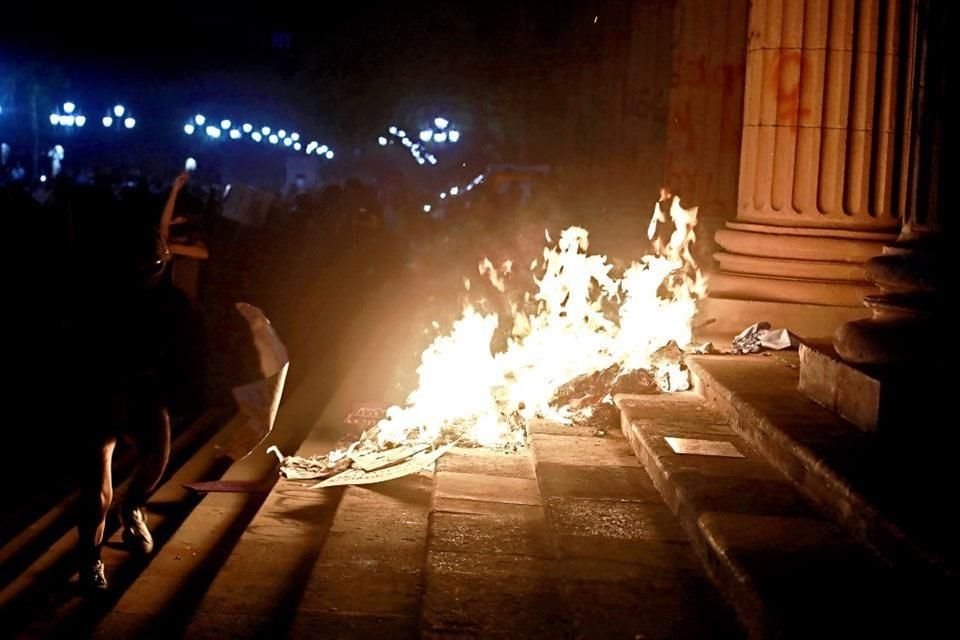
<point x="131" y="340"/>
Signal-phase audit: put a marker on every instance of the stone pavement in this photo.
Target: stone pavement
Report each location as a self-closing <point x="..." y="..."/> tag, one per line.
<point x="566" y="539"/>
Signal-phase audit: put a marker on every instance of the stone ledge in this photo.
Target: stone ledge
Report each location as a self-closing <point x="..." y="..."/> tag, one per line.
<point x="866" y="398"/>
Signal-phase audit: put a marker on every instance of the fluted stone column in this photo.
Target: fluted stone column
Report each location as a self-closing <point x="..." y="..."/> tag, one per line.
<point x="822" y="165"/>
<point x="912" y="272"/>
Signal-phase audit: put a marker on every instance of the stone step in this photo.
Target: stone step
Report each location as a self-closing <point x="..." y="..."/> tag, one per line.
<point x="162" y="601"/>
<point x="43" y="600"/>
<point x="888" y="494"/>
<point x="625" y="565"/>
<point x="787" y="570"/>
<point x="544" y="543"/>
<point x="37" y="536"/>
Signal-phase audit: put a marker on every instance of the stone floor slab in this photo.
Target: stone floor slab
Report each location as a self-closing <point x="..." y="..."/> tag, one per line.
<point x="598" y="483"/>
<point x="474" y="486"/>
<point x="589" y="451"/>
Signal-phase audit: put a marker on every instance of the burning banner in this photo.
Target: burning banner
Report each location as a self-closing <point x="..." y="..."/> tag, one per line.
<point x="584" y="333"/>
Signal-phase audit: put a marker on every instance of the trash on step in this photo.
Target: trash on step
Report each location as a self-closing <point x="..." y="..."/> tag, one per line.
<point x="411" y="465"/>
<point x="352" y="467"/>
<point x="760" y="336"/>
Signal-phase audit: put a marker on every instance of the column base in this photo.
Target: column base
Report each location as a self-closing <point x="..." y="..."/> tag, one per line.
<point x="809" y="280"/>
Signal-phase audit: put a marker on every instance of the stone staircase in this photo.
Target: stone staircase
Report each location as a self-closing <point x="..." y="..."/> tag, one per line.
<point x="793" y="512"/>
<point x="716" y="513"/>
<point x="567" y="538"/>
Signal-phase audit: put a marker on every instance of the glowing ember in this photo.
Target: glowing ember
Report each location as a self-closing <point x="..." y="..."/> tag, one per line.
<point x="581" y="319"/>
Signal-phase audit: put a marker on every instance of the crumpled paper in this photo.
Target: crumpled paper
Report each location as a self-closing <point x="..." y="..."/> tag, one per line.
<point x="260" y="400"/>
<point x="760" y="336"/>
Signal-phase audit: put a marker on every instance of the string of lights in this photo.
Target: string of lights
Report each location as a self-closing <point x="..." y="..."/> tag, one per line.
<point x="119" y="117"/>
<point x="68" y="115"/>
<point x="227" y="129"/>
<point x="417" y="150"/>
<point x="456" y="191"/>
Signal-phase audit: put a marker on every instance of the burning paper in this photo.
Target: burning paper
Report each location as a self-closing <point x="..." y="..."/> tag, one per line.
<point x="259" y="400"/>
<point x="582" y="328"/>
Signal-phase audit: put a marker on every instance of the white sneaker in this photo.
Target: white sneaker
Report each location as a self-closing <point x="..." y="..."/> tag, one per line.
<point x="136" y="535"/>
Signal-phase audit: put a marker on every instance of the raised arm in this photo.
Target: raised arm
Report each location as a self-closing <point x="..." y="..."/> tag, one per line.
<point x="167" y="216"/>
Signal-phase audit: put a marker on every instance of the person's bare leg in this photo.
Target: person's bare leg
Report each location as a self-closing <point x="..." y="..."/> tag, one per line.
<point x="96" y="494"/>
<point x="152" y="441"/>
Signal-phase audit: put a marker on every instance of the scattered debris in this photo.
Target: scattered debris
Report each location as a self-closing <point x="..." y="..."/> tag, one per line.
<point x="760" y="336"/>
<point x="706" y="348"/>
<point x="365" y="461"/>
<point x="312" y="468"/>
<point x="410" y="465"/>
<point x="592" y="388"/>
<point x="587" y="400"/>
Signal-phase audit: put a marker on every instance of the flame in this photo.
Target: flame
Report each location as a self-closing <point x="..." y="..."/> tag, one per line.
<point x="585" y="319"/>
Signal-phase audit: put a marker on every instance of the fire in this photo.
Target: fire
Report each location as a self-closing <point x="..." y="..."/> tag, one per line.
<point x="584" y="319"/>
